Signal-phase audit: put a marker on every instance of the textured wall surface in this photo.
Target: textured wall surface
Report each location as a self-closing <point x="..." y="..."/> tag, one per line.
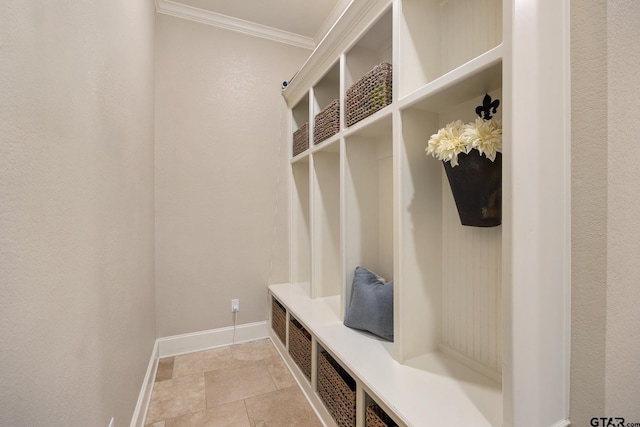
<point x="605" y="353"/>
<point x="589" y="208"/>
<point x="76" y="210"/>
<point x="623" y="238"/>
<point x="218" y="124"/>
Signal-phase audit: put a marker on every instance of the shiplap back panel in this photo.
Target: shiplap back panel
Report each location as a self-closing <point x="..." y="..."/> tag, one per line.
<point x="471" y="287"/>
<point x="467" y="29"/>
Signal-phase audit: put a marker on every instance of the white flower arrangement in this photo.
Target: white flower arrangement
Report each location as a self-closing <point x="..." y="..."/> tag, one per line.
<point x="456" y="137"/>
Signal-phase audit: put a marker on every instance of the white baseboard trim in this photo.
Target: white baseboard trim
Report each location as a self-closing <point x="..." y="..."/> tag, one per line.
<point x="205" y="340"/>
<point x="189" y="343"/>
<point x="140" y="411"/>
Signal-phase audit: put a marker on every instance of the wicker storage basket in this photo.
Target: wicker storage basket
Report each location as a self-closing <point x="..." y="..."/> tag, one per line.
<point x="337" y="390"/>
<point x="278" y="320"/>
<point x="301" y="139"/>
<point x="327" y="122"/>
<point x="369" y="94"/>
<point x="376" y="417"/>
<point x="300" y="346"/>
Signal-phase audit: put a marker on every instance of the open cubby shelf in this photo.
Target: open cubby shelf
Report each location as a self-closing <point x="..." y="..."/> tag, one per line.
<point x="436" y="37"/>
<point x="369" y="196"/>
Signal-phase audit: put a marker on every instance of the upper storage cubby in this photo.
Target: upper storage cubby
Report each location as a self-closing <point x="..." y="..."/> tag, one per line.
<point x="368" y="71"/>
<point x="300" y="126"/>
<point x="437" y="36"/>
<point x="326" y="89"/>
<point x="326" y="114"/>
<point x="375" y="46"/>
<point x="300" y="113"/>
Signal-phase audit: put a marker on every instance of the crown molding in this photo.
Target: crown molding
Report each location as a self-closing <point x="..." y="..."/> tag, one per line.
<point x="349" y="26"/>
<point x="333" y="17"/>
<point x="169" y="7"/>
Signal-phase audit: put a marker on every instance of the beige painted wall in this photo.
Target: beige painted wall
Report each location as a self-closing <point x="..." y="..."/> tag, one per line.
<point x="589" y="208"/>
<point x="76" y="210"/>
<point x="605" y="360"/>
<point x="218" y="124"/>
<point x="622" y="382"/>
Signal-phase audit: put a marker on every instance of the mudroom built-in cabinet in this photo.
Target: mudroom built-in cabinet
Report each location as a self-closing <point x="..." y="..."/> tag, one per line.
<point x="473" y="325"/>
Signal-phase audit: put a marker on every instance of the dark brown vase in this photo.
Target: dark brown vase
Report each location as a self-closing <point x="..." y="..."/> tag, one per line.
<point x="476" y="184"/>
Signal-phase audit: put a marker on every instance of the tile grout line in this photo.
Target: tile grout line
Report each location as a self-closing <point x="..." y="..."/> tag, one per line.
<point x="246" y="410"/>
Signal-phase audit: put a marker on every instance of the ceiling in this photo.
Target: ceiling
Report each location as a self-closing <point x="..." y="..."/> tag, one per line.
<point x="309" y="19"/>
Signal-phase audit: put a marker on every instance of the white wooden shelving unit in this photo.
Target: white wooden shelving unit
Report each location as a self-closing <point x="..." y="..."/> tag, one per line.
<point x="480" y="314"/>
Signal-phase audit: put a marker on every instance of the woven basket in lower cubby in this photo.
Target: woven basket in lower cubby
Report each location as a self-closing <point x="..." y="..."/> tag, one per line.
<point x="337" y="390"/>
<point x="327" y="122"/>
<point x="301" y="139"/>
<point x="376" y="417"/>
<point x="278" y="320"/>
<point x="300" y="346"/>
<point x="369" y="94"/>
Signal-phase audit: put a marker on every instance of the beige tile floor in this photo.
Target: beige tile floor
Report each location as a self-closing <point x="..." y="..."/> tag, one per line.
<point x="241" y="385"/>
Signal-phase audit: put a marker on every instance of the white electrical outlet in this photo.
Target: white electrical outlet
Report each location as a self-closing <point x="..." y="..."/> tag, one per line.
<point x="235" y="305"/>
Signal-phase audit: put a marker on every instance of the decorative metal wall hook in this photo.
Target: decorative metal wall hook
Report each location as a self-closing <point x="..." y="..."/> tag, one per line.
<point x="484" y="110"/>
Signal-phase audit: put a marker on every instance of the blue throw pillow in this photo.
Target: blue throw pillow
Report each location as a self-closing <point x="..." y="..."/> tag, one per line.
<point x="371" y="307"/>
